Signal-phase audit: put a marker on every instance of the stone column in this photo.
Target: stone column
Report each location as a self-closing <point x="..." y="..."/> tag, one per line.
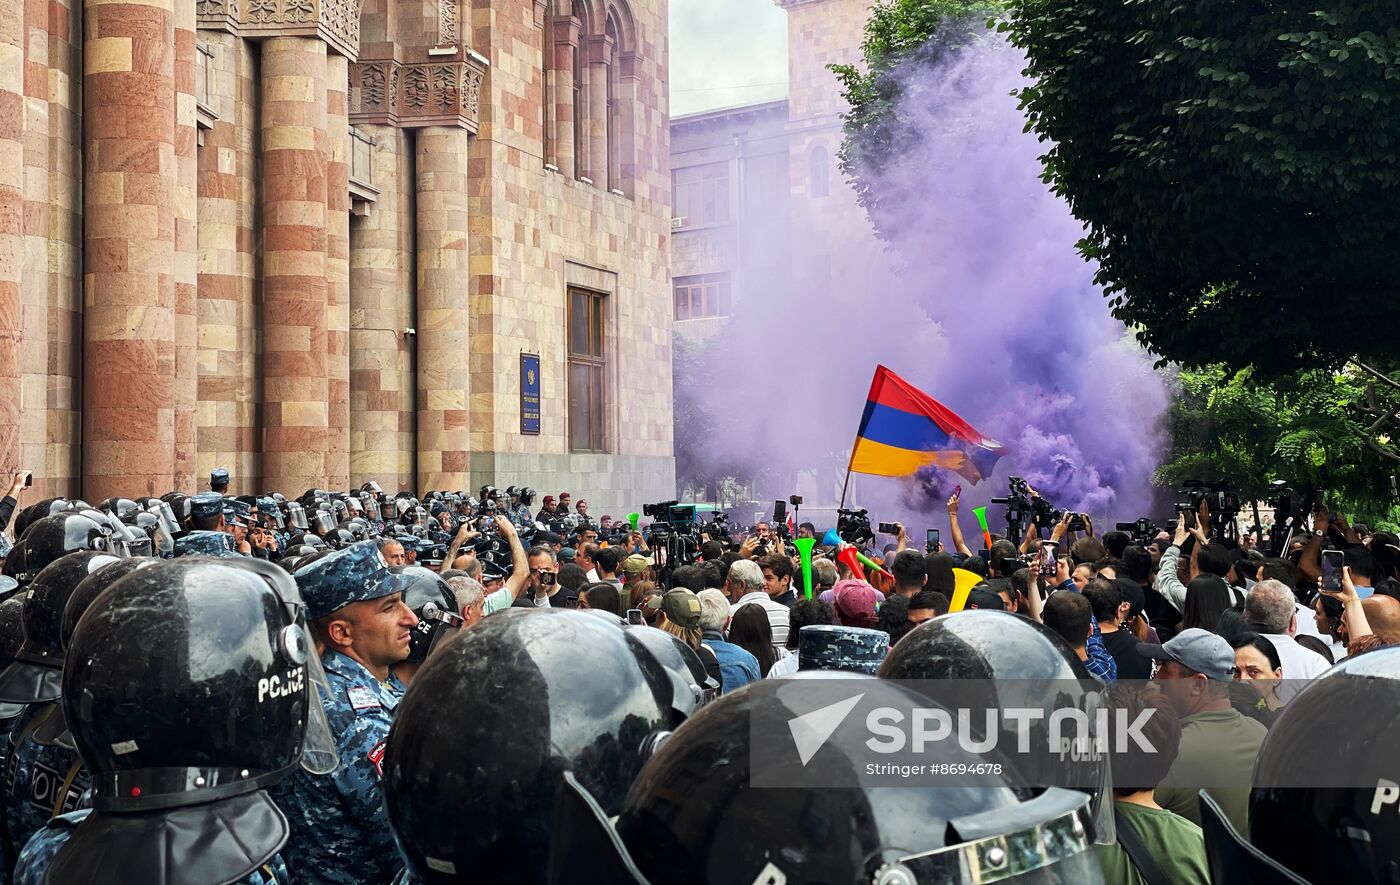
<point x="443" y="278"/>
<point x="224" y="349"/>
<point x="63" y="464"/>
<point x="565" y="45"/>
<point x="549" y="140"/>
<point x="381" y="308"/>
<point x="34" y="283"/>
<point x="338" y="272"/>
<point x="129" y="248"/>
<point x="599" y="71"/>
<point x="11" y="224"/>
<point x="294" y="263"/>
<point x="186" y="392"/>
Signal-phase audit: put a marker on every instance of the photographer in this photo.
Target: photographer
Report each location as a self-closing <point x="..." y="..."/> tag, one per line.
<point x="520" y="574"/>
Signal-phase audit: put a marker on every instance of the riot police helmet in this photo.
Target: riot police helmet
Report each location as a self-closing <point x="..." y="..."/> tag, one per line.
<point x="460" y="799"/>
<point x="435" y="605"/>
<point x="48" y="539"/>
<point x="34" y="676"/>
<point x="191" y="687"/>
<point x="690" y="821"/>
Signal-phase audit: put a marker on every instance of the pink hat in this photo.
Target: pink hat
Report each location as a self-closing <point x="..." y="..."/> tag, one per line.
<point x="855" y="603"/>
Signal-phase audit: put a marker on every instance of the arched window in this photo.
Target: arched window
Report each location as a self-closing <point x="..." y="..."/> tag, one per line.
<point x="614" y="153"/>
<point x="580" y="98"/>
<point x="817" y="172"/>
<point x="590" y="89"/>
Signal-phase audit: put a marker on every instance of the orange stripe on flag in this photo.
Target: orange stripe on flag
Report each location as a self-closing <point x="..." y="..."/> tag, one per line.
<point x="878" y="459"/>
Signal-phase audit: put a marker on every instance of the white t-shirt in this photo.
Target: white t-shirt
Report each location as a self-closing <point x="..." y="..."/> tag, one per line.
<point x="784" y="666"/>
<point x="1299" y="665"/>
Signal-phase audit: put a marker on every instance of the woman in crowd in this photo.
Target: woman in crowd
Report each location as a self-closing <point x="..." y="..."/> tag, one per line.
<point x="1327" y="614"/>
<point x="1257" y="663"/>
<point x="749" y="629"/>
<point x="1207" y="598"/>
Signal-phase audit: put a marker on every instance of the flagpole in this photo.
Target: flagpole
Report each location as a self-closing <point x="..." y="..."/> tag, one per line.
<point x="847" y="482"/>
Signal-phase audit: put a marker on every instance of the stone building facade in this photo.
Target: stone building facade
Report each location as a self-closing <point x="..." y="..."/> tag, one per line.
<point x="785" y="216"/>
<point x="310" y="240"/>
<point x="730" y="194"/>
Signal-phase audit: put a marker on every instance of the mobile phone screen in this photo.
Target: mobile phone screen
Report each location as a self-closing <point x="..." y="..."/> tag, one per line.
<point x="932" y="540"/>
<point x="634" y="616"/>
<point x="1047" y="559"/>
<point x="1331" y="570"/>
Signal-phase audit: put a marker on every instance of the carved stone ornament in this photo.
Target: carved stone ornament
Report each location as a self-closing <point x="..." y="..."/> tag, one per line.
<point x="392" y="93"/>
<point x="335" y="21"/>
<point x="449" y="23"/>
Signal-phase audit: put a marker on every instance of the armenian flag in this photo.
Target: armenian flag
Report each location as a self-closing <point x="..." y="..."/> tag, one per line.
<point x="904" y="429"/>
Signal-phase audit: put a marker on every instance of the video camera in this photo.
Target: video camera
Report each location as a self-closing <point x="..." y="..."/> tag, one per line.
<point x="1219" y="496"/>
<point x="854" y="526"/>
<point x="1143" y="531"/>
<point x="674" y="529"/>
<point x="718" y="529"/>
<point x="1024" y="508"/>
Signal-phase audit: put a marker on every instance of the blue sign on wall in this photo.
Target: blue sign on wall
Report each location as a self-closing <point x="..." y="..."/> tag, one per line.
<point x="530" y="393"/>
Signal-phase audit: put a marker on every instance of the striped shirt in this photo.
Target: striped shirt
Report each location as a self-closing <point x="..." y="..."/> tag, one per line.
<point x="777" y="615"/>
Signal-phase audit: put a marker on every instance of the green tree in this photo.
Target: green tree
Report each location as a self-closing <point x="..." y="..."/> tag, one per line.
<point x="899" y="32"/>
<point x="1234" y="165"/>
<point x="1312" y="429"/>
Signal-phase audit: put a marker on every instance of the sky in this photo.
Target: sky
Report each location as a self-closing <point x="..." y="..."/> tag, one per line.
<point x="725" y="53"/>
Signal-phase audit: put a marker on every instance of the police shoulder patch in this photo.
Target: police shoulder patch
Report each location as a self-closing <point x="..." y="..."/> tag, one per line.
<point x="376" y="756"/>
<point x="362" y="698"/>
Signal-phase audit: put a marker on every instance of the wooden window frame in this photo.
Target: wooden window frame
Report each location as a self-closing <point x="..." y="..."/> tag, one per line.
<point x="595" y="358"/>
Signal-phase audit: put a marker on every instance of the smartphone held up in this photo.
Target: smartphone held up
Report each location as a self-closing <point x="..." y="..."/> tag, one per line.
<point x="1332" y="561"/>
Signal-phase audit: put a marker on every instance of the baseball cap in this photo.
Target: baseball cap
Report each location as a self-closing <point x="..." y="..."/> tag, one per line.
<point x="1195" y="649"/>
<point x="984" y="598"/>
<point x="854" y="602"/>
<point x="635" y="564"/>
<point x="681" y="608"/>
<point x="566" y="554"/>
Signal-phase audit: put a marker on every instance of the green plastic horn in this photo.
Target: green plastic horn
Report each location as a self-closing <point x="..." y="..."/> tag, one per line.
<point x="981" y="514"/>
<point x="804" y="549"/>
<point x="871" y="564"/>
<point x="633" y="519"/>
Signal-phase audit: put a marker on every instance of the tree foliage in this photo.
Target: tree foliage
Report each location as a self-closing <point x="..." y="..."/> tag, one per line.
<point x="1310" y="429"/>
<point x="898" y="32"/>
<point x="1235" y="166"/>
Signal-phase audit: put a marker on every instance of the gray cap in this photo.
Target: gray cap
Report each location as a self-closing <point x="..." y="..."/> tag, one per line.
<point x="833" y="647"/>
<point x="1195" y="649"/>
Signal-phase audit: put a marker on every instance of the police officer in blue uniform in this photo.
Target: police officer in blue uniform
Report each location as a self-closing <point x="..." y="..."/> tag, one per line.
<point x="340" y="832"/>
<point x="219" y="544"/>
<point x="521" y="514"/>
<point x="41" y="778"/>
<point x="180" y="779"/>
<point x="218" y="481"/>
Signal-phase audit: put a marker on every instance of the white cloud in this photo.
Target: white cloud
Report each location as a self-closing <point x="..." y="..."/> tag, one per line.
<point x="726" y="52"/>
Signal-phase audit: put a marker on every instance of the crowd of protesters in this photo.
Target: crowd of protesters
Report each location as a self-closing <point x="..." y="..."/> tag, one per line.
<point x="1229" y="635"/>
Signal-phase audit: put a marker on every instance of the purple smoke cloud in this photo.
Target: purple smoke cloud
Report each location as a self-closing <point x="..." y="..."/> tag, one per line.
<point x="979" y="298"/>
